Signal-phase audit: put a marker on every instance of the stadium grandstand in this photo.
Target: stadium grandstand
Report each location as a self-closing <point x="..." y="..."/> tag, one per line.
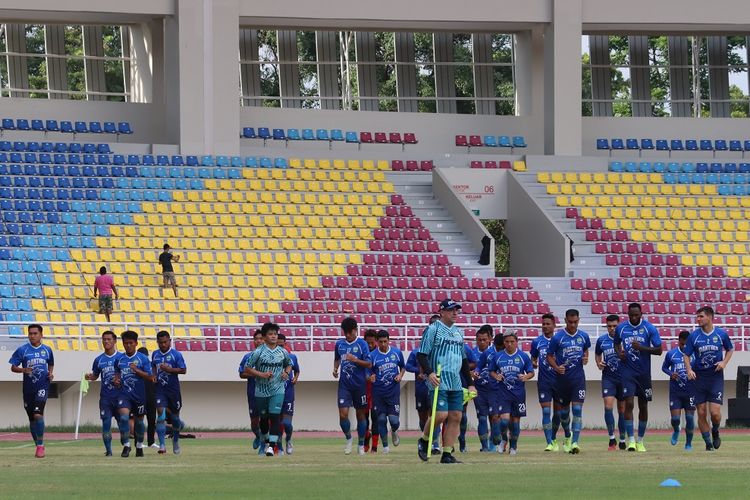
<point x="309" y="162"/>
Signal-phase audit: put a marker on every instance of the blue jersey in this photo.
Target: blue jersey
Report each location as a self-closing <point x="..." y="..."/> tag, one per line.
<point x="250" y="380"/>
<point x="289" y="391"/>
<point x="484" y="363"/>
<point x="539" y="348"/>
<point x="675" y="363"/>
<point x="385" y="366"/>
<point x="637" y="362"/>
<point x="511" y="366"/>
<point x="351" y="375"/>
<point x="39" y="359"/>
<point x="707" y="349"/>
<point x="131" y="384"/>
<point x="444" y="345"/>
<point x="605" y="347"/>
<point x="568" y="350"/>
<point x="104" y="367"/>
<point x="472" y="358"/>
<point x="412" y="366"/>
<point x="167" y="382"/>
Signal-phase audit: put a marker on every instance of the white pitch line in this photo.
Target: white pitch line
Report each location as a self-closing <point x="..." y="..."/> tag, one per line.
<point x="28" y="445"/>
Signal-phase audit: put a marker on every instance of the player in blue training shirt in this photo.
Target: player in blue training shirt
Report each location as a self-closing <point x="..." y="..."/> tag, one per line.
<point x="373" y="433"/>
<point x="385" y="374"/>
<point x="707" y="344"/>
<point x="512" y="367"/>
<point x="498" y="437"/>
<point x="351" y="357"/>
<point x="546" y="384"/>
<point x="421" y="392"/>
<point x="636" y="341"/>
<point x="287" y="410"/>
<point x="485" y="385"/>
<point x="270" y="364"/>
<point x="131" y="370"/>
<point x="443" y="345"/>
<point x="465" y="383"/>
<point x="37" y="363"/>
<point x="609" y="362"/>
<point x="681" y="395"/>
<point x="251" y="406"/>
<point x="109" y="395"/>
<point x="167" y="365"/>
<point x="567" y="353"/>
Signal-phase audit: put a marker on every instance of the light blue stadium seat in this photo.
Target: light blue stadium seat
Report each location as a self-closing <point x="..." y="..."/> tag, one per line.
<point x="222" y="161"/>
<point x="280" y="162"/>
<point x="234" y="173"/>
<point x="616" y="166"/>
<point x="236" y="162"/>
<point x="187" y="173"/>
<point x="266" y="162"/>
<point x="219" y="173"/>
<point x="631" y="166"/>
<point x="181" y="184"/>
<point x="674" y="167"/>
<point x="207" y="161"/>
<point x="251" y="162"/>
<point x="688" y="167"/>
<point x="645" y="167"/>
<point x="167" y="184"/>
<point x="490" y="141"/>
<point x="204" y="173"/>
<point x="669" y="178"/>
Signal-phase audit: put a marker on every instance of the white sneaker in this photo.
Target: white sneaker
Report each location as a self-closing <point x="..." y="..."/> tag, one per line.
<point x="361" y="450"/>
<point x="513" y="451"/>
<point x="269" y="451"/>
<point x="154" y="445"/>
<point x="501" y="447"/>
<point x="289" y="448"/>
<point x="395" y="439"/>
<point x="348" y="447"/>
<point x="386" y="450"/>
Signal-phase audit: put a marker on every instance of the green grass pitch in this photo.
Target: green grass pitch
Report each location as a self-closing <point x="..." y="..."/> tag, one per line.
<point x="227" y="468"/>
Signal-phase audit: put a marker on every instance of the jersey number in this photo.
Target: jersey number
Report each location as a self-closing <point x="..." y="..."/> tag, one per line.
<point x="363" y="400"/>
<point x="718" y="395"/>
<point x="582" y="394"/>
<point x="521" y="407"/>
<point x="42" y="393"/>
<point x="141" y="409"/>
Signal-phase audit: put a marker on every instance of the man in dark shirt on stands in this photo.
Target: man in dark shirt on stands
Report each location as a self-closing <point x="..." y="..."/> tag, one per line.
<point x="167" y="271"/>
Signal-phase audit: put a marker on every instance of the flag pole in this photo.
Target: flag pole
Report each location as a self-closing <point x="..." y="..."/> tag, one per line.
<point x="83" y="385"/>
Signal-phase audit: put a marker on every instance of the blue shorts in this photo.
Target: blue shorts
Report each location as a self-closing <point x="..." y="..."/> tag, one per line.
<point x="252" y="407"/>
<point x="679" y="400"/>
<point x="352" y="396"/>
<point x="35" y="402"/>
<point x="515" y="406"/>
<point x="484" y="402"/>
<point x="136" y="406"/>
<point x="612" y="388"/>
<point x="269" y="405"/>
<point x="170" y="400"/>
<point x="422" y="396"/>
<point x="386" y="404"/>
<point x="108" y="408"/>
<point x="709" y="388"/>
<point x="638" y="385"/>
<point x="570" y="391"/>
<point x="546" y="390"/>
<point x="448" y="400"/>
<point x="288" y="407"/>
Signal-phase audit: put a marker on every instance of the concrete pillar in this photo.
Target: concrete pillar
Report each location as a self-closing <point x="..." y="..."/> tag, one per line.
<point x="680" y="83"/>
<point x="18" y="72"/>
<point x="601" y="77"/>
<point x="563" y="79"/>
<point x="57" y="70"/>
<point x="209" y="76"/>
<point x="718" y="76"/>
<point x="93" y="45"/>
<point x="640" y="76"/>
<point x="141" y="69"/>
<point x="529" y="59"/>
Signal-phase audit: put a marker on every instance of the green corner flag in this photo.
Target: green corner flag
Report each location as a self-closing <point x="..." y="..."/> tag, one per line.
<point x="84" y="384"/>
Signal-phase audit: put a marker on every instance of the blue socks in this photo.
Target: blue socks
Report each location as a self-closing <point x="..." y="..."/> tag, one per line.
<point x="123" y="424"/>
<point x="361" y="431"/>
<point x="547" y="423"/>
<point x="161" y="427"/>
<point x="107" y="434"/>
<point x="577" y="421"/>
<point x="621" y="425"/>
<point x="346" y="427"/>
<point x="675" y="421"/>
<point x="140" y="430"/>
<point x="496" y="431"/>
<point x="609" y="420"/>
<point x="177" y="426"/>
<point x="642" y="424"/>
<point x="288" y="428"/>
<point x="515" y="431"/>
<point x="504" y="423"/>
<point x="689" y="427"/>
<point x="37" y="431"/>
<point x="565" y="421"/>
<point x="394" y="422"/>
<point x="555" y="424"/>
<point x="383" y="428"/>
<point x="462" y="430"/>
<point x="707" y="438"/>
<point x="483" y="430"/>
<point x="629" y="428"/>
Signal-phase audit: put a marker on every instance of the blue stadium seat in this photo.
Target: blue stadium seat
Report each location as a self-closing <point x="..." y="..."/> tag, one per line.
<point x="95" y="127"/>
<point x="37" y="126"/>
<point x="725" y="178"/>
<point x="730" y="168"/>
<point x="237" y="161"/>
<point x="631" y="166"/>
<point x="632" y="144"/>
<point x="706" y="145"/>
<point x="674" y="167"/>
<point x="688" y="167"/>
<point x="352" y="137"/>
<point x="147" y="160"/>
<point x="490" y="141"/>
<point x="719" y="145"/>
<point x="278" y="134"/>
<point x="308" y="134"/>
<point x="602" y="144"/>
<point x="337" y="134"/>
<point x="51" y="126"/>
<point x="617" y="144"/>
<point x="134" y="160"/>
<point x="207" y="161"/>
<point x="188" y="172"/>
<point x="676" y="145"/>
<point x="321" y="134"/>
<point x="124" y="128"/>
<point x="222" y="161"/>
<point x="103" y="148"/>
<point x="177" y="161"/>
<point x="645" y="167"/>
<point x="248" y="132"/>
<point x="110" y="128"/>
<point x="691" y="145"/>
<point x="716" y="168"/>
<point x="266" y="162"/>
<point x="293" y="134"/>
<point x="519" y="141"/>
<point x="739" y="179"/>
<point x="735" y="146"/>
<point x="191" y="161"/>
<point x="162" y="160"/>
<point x="204" y="173"/>
<point x="81" y="128"/>
<point x="23" y="124"/>
<point x="504" y="141"/>
<point x="279" y="162"/>
<point x="264" y="133"/>
<point x="219" y="173"/>
<point x="702" y="168"/>
<point x="181" y="184"/>
<point x="9" y="124"/>
<point x="251" y="162"/>
<point x="724" y="190"/>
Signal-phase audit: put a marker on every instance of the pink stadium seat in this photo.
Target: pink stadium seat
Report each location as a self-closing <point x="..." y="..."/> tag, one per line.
<point x="426" y="165"/>
<point x="412" y="165"/>
<point x="381" y="138"/>
<point x="397" y="165"/>
<point x="180" y="345"/>
<point x="395" y="138"/>
<point x="365" y="137"/>
<point x="461" y="141"/>
<point x="505" y="164"/>
<point x="410" y="138"/>
<point x="475" y="141"/>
